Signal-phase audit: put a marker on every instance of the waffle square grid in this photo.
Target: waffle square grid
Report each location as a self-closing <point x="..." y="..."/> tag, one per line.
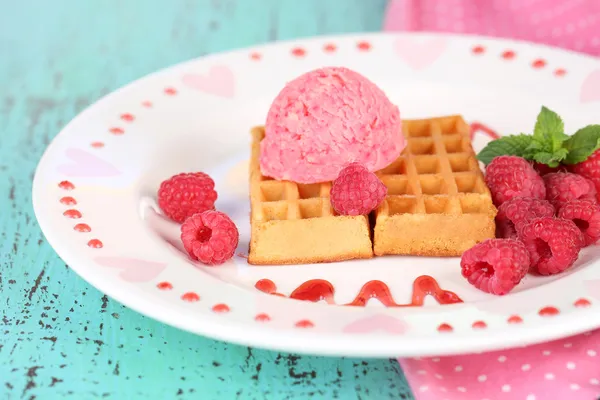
<point x="438" y="203"/>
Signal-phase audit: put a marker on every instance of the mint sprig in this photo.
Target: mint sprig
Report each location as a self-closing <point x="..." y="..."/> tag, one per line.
<point x="582" y="144"/>
<point x="548" y="138"/>
<point x="548" y="145"/>
<point x="514" y="145"/>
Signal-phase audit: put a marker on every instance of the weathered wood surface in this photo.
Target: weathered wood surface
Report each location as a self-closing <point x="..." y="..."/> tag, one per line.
<point x="59" y="337"/>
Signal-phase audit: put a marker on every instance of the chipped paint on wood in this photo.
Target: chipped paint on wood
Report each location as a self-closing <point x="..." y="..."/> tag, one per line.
<point x="59" y="337"/>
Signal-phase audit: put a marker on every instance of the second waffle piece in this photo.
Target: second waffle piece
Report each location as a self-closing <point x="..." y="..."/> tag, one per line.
<point x="438" y="203"/>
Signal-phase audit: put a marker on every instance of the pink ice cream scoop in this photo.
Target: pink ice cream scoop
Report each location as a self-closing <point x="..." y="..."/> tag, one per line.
<point x="325" y="119"/>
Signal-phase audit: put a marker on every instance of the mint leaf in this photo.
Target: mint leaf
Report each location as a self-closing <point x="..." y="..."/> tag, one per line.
<point x="582" y="144"/>
<point x="550" y="159"/>
<point x="549" y="130"/>
<point x="514" y="145"/>
<point x="548" y="139"/>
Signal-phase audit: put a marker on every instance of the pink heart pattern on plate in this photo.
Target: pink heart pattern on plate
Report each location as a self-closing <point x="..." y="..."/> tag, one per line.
<point x="590" y="89"/>
<point x="85" y="164"/>
<point x="377" y="323"/>
<point x="133" y="269"/>
<point x="592" y="287"/>
<point x="219" y="81"/>
<point x="419" y="54"/>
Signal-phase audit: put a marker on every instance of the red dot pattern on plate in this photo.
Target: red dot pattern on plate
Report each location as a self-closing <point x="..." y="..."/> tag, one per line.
<point x="66" y="185"/>
<point x="548" y="311"/>
<point x="514" y="319"/>
<point x="478" y="50"/>
<point x="68" y="201"/>
<point x="304" y="323"/>
<point x="330" y="48"/>
<point x="82" y="228"/>
<point x="95" y="244"/>
<point x="262" y="317"/>
<point x="479" y="325"/>
<point x="508" y="55"/>
<point x="221" y="308"/>
<point x="363" y="46"/>
<point x="298" y="52"/>
<point x="164" y="286"/>
<point x="582" y="303"/>
<point x="266" y="286"/>
<point x="190" y="296"/>
<point x="72" y="213"/>
<point x="538" y="63"/>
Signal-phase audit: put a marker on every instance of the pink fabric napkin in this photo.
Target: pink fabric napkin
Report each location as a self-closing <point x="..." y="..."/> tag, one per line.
<point x="563" y="369"/>
<point x="567" y="369"/>
<point x="572" y="24"/>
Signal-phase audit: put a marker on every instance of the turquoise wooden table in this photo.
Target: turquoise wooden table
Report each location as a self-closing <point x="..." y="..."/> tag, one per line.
<point x="61" y="338"/>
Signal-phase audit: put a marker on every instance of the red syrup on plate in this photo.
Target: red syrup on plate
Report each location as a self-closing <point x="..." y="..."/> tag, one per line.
<point x="319" y="289"/>
<point x="477" y="126"/>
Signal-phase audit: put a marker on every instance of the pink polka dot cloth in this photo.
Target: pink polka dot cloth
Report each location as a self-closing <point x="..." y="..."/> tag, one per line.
<point x="563" y="369"/>
<point x="571" y="24"/>
<point x="566" y="369"/>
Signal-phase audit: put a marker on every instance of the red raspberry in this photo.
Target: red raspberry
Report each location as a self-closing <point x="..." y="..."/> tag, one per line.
<point x="590" y="169"/>
<point x="586" y="215"/>
<point x="510" y="176"/>
<point x="517" y="211"/>
<point x="210" y="237"/>
<point x="496" y="265"/>
<point x="562" y="187"/>
<point x="543" y="169"/>
<point x="553" y="243"/>
<point x="186" y="194"/>
<point x="356" y="191"/>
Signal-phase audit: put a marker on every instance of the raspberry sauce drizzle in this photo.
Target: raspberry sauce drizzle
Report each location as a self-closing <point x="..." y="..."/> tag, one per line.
<point x="477" y="126"/>
<point x="319" y="289"/>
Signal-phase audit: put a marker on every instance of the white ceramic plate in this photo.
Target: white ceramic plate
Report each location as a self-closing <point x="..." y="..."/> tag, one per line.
<point x="197" y="116"/>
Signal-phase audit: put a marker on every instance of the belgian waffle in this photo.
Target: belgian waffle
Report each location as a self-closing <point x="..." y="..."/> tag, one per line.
<point x="438" y="203"/>
<point x="295" y="223"/>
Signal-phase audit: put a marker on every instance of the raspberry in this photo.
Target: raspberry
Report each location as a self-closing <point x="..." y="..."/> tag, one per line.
<point x="517" y="211"/>
<point x="210" y="237"/>
<point x="543" y="169"/>
<point x="553" y="243"/>
<point x="496" y="265"/>
<point x="356" y="191"/>
<point x="586" y="215"/>
<point x="562" y="187"/>
<point x="186" y="194"/>
<point x="590" y="169"/>
<point x="510" y="176"/>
